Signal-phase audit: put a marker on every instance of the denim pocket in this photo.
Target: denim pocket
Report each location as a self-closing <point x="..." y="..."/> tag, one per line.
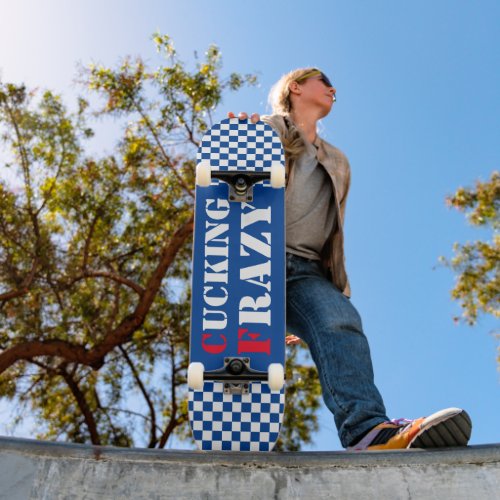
<point x="300" y="267"/>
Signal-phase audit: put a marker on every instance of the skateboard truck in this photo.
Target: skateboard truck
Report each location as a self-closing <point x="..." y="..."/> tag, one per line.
<point x="240" y="183"/>
<point x="236" y="375"/>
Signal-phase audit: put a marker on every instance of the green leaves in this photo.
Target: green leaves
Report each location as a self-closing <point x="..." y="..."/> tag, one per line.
<point x="477" y="264"/>
<point x="164" y="45"/>
<point x="481" y="204"/>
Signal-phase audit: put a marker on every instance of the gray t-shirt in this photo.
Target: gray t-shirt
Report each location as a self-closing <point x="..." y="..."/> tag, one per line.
<point x="310" y="207"/>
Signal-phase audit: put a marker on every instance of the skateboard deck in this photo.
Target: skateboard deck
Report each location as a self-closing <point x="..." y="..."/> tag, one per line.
<point x="238" y="289"/>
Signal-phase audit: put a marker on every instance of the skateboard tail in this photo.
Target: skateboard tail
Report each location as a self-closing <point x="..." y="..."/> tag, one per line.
<point x="229" y="422"/>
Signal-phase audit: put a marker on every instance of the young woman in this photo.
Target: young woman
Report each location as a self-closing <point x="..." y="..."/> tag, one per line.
<point x="319" y="310"/>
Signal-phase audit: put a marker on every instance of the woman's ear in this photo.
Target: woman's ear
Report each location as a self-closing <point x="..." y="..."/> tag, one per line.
<point x="294" y="88"/>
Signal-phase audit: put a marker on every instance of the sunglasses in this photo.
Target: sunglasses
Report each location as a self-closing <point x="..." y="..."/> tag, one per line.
<point x="316" y="72"/>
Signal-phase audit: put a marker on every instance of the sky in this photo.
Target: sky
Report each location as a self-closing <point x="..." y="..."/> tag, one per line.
<point x="417" y="114"/>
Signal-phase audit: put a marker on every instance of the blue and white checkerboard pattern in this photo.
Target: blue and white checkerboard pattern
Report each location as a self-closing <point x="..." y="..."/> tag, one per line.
<point x="234" y="145"/>
<point x="237" y="422"/>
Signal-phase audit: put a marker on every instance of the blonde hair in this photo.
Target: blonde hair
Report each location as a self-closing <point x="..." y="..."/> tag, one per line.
<point x="279" y="96"/>
<point x="281" y="104"/>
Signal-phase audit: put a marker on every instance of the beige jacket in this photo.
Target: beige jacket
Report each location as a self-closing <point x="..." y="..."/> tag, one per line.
<point x="337" y="166"/>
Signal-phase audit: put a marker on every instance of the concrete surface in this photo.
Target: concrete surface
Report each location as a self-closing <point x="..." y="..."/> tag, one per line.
<point x="34" y="469"/>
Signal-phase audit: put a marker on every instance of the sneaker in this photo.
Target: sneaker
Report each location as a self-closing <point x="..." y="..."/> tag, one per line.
<point x="450" y="427"/>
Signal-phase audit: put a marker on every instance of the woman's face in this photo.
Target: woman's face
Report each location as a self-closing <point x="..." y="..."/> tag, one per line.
<point x="315" y="91"/>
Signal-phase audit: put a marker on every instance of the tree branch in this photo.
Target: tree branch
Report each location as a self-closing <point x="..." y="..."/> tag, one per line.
<point x="174" y="421"/>
<point x="97" y="215"/>
<point x="114" y="277"/>
<point x="53" y="184"/>
<point x="142" y="388"/>
<point x="89" y="238"/>
<point x="82" y="404"/>
<point x="27" y="176"/>
<point x="24" y="288"/>
<point x="122" y="333"/>
<point x="160" y="146"/>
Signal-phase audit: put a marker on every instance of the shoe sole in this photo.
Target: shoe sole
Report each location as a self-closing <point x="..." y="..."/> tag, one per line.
<point x="451" y="427"/>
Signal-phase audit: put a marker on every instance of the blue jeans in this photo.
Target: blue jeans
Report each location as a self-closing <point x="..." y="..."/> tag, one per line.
<point x="325" y="319"/>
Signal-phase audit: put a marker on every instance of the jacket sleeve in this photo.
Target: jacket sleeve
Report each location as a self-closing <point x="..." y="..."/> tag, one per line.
<point x="343" y="202"/>
<point x="347" y="185"/>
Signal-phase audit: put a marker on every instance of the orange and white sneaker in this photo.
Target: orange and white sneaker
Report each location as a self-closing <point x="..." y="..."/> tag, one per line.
<point x="450" y="427"/>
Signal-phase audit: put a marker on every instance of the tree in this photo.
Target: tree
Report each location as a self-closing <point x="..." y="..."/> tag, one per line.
<point x="95" y="254"/>
<point x="477" y="264"/>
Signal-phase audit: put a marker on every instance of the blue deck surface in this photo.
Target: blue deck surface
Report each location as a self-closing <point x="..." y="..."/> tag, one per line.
<point x="238" y="281"/>
<point x="238" y="278"/>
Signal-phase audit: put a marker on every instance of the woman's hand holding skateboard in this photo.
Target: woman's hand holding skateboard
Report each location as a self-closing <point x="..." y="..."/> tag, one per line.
<point x="254" y="118"/>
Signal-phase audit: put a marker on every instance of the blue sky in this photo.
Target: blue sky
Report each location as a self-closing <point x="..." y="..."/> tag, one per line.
<point x="418" y="115"/>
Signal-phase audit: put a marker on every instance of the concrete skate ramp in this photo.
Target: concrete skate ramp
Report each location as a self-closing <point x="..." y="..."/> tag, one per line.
<point x="36" y="469"/>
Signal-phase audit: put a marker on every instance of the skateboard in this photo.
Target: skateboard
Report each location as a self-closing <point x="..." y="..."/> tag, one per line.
<point x="237" y="339"/>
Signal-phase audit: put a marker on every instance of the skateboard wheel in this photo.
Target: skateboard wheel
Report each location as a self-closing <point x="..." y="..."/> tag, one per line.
<point x="203" y="174"/>
<point x="195" y="376"/>
<point x="275" y="376"/>
<point x="277" y="175"/>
